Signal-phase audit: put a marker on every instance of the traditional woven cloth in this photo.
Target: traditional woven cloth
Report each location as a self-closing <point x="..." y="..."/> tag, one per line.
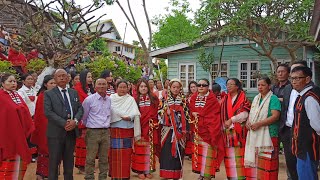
<point x="258" y="140"/>
<point x="125" y="106"/>
<point x="120" y="152"/>
<point x="13" y="168"/>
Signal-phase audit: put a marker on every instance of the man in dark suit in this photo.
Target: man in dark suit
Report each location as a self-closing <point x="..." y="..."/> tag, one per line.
<point x="63" y="110"/>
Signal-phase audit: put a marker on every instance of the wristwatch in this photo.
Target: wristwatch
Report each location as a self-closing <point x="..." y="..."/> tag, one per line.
<point x="76" y="121"/>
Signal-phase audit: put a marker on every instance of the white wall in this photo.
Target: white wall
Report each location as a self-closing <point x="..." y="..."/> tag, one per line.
<point x="112" y="48"/>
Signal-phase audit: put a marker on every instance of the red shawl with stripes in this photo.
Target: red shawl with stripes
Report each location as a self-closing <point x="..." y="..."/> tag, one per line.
<point x="209" y="124"/>
<point x="229" y="110"/>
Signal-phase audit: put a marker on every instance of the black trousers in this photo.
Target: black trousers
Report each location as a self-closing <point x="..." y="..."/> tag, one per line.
<point x="61" y="149"/>
<point x="291" y="160"/>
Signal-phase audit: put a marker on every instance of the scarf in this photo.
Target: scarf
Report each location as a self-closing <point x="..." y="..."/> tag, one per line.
<point x="258" y="140"/>
<point x="228" y="110"/>
<point x="14" y="96"/>
<point x="125" y="106"/>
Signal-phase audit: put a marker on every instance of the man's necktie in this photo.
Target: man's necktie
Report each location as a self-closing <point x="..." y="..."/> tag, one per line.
<point x="66" y="102"/>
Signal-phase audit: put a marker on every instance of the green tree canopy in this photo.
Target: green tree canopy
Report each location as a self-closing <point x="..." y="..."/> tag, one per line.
<point x="175" y="27"/>
<point x="268" y="23"/>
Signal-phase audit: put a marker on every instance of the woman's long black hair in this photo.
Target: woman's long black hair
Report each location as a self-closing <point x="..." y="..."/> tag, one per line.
<point x="46" y="79"/>
<point x="83" y="81"/>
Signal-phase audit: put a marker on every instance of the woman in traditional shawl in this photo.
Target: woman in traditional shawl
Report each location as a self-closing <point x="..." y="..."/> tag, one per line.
<point x="84" y="89"/>
<point x="15" y="126"/>
<point x="192" y="89"/>
<point x="262" y="148"/>
<point x="143" y="160"/>
<point x="39" y="136"/>
<point x="235" y="109"/>
<point x="125" y="127"/>
<point x="173" y="132"/>
<point x="208" y="143"/>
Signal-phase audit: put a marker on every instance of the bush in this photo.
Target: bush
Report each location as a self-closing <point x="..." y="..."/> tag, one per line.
<point x="6" y="67"/>
<point x="115" y="65"/>
<point x="36" y="65"/>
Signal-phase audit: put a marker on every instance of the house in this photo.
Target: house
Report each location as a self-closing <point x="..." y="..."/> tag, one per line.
<point x="238" y="62"/>
<point x="113" y="39"/>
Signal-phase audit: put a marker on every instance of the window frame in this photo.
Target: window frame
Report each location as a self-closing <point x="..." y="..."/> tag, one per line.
<point x="248" y="73"/>
<point x="219" y="75"/>
<point x="187" y="64"/>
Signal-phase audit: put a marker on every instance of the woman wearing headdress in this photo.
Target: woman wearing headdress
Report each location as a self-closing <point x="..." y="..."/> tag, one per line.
<point x="39" y="136"/>
<point x="173" y="132"/>
<point x="84" y="89"/>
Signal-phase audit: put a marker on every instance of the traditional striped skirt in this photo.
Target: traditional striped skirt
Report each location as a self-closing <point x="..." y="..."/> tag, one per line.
<point x="43" y="165"/>
<point x="13" y="168"/>
<point x="205" y="162"/>
<point x="141" y="160"/>
<point x="267" y="167"/>
<point x="81" y="151"/>
<point x="189" y="144"/>
<point x="120" y="152"/>
<point x="170" y="167"/>
<point x="234" y="163"/>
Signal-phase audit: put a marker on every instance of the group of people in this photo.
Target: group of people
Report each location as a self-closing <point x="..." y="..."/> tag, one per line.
<point x="129" y="126"/>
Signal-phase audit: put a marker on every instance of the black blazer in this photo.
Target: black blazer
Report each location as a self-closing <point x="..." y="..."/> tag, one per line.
<point x="55" y="111"/>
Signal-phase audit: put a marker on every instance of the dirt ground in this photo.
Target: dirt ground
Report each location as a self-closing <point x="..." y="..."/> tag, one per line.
<point x="187" y="174"/>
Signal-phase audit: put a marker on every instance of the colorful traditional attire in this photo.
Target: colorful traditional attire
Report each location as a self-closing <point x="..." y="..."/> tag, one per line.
<point x="237" y="109"/>
<point x="29" y="96"/>
<point x="305" y="134"/>
<point x="190" y="135"/>
<point x="173" y="132"/>
<point x="209" y="148"/>
<point x="39" y="137"/>
<point x="143" y="160"/>
<point x="122" y="134"/>
<point x="262" y="148"/>
<point x="15" y="119"/>
<point x="80" y="159"/>
<point x="110" y="90"/>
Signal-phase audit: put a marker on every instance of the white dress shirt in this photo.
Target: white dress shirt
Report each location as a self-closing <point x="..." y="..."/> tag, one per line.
<point x="290" y="113"/>
<point x="67" y="93"/>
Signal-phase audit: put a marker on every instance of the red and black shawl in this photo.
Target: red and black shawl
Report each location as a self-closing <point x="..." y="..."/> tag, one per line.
<point x="229" y="110"/>
<point x="209" y="124"/>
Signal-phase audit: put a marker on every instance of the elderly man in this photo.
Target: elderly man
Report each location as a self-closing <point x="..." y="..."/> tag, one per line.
<point x="97" y="120"/>
<point x="306" y="124"/>
<point x="63" y="110"/>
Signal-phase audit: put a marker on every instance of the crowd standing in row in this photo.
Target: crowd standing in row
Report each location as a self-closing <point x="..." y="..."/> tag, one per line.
<point x="127" y="126"/>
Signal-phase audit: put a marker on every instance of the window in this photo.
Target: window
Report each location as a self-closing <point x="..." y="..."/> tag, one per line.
<point x="224" y="69"/>
<point x="118" y="49"/>
<point x="247" y="74"/>
<point x="127" y="49"/>
<point x="284" y="61"/>
<point x="186" y="74"/>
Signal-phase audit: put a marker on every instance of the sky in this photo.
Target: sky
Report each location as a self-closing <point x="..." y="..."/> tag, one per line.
<point x="154" y="8"/>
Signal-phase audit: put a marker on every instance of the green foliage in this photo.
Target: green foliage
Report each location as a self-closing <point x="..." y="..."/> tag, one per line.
<point x="205" y="59"/>
<point x="99" y="45"/>
<point x="36" y="65"/>
<point x="163" y="69"/>
<point x="175" y="27"/>
<point x="116" y="66"/>
<point x="269" y="23"/>
<point x="6" y="67"/>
